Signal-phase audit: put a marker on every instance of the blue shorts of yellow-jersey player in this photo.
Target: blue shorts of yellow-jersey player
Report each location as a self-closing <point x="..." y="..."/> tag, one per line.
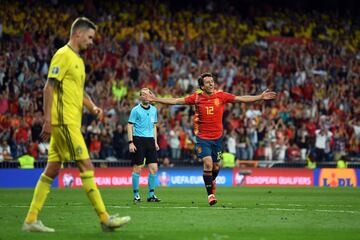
<point x="211" y="148"/>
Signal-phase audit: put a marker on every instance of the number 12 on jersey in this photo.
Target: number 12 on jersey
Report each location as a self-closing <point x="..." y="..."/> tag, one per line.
<point x="209" y="110"/>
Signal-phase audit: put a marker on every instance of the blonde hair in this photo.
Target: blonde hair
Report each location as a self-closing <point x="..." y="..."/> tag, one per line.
<point x="81" y="22"/>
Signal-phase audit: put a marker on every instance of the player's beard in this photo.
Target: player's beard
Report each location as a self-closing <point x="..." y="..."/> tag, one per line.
<point x="83" y="47"/>
<point x="209" y="91"/>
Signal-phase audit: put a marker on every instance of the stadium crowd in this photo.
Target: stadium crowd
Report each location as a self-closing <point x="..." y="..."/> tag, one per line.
<point x="311" y="59"/>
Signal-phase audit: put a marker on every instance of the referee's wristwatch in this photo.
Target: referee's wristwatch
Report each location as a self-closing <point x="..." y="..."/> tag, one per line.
<point x="130" y="141"/>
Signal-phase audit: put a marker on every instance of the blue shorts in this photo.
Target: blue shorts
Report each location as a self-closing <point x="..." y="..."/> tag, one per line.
<point x="211" y="148"/>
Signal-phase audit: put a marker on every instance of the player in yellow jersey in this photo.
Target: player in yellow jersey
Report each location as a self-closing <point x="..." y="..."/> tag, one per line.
<point x="64" y="98"/>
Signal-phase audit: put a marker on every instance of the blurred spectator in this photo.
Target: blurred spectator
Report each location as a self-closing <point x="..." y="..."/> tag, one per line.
<point x="251" y="132"/>
<point x="322" y="143"/>
<point x="22" y="133"/>
<point x="303" y="141"/>
<point x="36" y="128"/>
<point x="293" y="152"/>
<point x="20" y="148"/>
<point x="43" y="149"/>
<point x="4" y="102"/>
<point x="354" y="147"/>
<point x="174" y="144"/>
<point x="227" y="159"/>
<point x="32" y="149"/>
<point x="341" y="162"/>
<point x="356" y="126"/>
<point x="1" y="29"/>
<point x="259" y="153"/>
<point x="231" y="142"/>
<point x="165" y="162"/>
<point x="120" y="143"/>
<point x="269" y="142"/>
<point x="163" y="152"/>
<point x="95" y="147"/>
<point x="311" y="160"/>
<point x="339" y="138"/>
<point x="106" y="144"/>
<point x="94" y="128"/>
<point x="242" y="142"/>
<point x="5" y="152"/>
<point x="26" y="161"/>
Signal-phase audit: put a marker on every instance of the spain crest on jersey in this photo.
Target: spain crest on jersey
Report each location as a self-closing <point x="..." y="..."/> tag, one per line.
<point x="216" y="102"/>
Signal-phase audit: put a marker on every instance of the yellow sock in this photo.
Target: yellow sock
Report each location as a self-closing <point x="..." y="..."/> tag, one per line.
<point x="93" y="194"/>
<point x="40" y="193"/>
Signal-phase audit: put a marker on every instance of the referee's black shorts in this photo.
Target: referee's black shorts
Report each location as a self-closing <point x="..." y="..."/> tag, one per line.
<point x="145" y="148"/>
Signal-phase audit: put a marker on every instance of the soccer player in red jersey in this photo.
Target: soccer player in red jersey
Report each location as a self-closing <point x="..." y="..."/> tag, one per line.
<point x="208" y="128"/>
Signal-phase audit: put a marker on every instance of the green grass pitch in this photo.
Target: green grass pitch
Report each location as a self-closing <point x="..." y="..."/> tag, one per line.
<point x="241" y="213"/>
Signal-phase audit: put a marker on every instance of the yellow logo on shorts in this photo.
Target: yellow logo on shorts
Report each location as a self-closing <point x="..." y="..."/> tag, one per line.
<point x="219" y="156"/>
<point x="199" y="150"/>
<point x="78" y="151"/>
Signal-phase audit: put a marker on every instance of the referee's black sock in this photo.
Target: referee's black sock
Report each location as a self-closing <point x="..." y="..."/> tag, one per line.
<point x="215" y="173"/>
<point x="207" y="175"/>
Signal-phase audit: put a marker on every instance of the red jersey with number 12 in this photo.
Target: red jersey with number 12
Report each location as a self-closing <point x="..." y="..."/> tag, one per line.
<point x="209" y="111"/>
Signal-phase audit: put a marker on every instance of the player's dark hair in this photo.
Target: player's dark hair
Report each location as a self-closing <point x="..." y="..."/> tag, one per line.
<point x="82" y="22"/>
<point x="204" y="75"/>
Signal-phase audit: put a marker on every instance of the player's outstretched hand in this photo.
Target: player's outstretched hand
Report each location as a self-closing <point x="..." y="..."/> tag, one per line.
<point x="267" y="95"/>
<point x="148" y="96"/>
<point x="97" y="111"/>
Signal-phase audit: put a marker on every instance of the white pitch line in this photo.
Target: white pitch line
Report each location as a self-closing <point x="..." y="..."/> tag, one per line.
<point x="316" y="210"/>
<point x="119" y="206"/>
<point x="171" y="207"/>
<point x="337" y="211"/>
<point x="269" y="204"/>
<point x="287" y="209"/>
<point x="335" y="205"/>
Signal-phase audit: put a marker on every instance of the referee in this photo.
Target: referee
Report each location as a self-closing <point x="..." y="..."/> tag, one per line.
<point x="143" y="145"/>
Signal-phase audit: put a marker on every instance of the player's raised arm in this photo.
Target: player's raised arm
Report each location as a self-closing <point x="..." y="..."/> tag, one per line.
<point x="266" y="95"/>
<point x="149" y="96"/>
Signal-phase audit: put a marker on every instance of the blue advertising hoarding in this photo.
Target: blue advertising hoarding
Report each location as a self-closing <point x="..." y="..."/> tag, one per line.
<point x="336" y="177"/>
<point x="190" y="177"/>
<point x="27" y="178"/>
<point x="21" y="178"/>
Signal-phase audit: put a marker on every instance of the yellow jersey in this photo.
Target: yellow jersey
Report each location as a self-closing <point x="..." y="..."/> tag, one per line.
<point x="67" y="67"/>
